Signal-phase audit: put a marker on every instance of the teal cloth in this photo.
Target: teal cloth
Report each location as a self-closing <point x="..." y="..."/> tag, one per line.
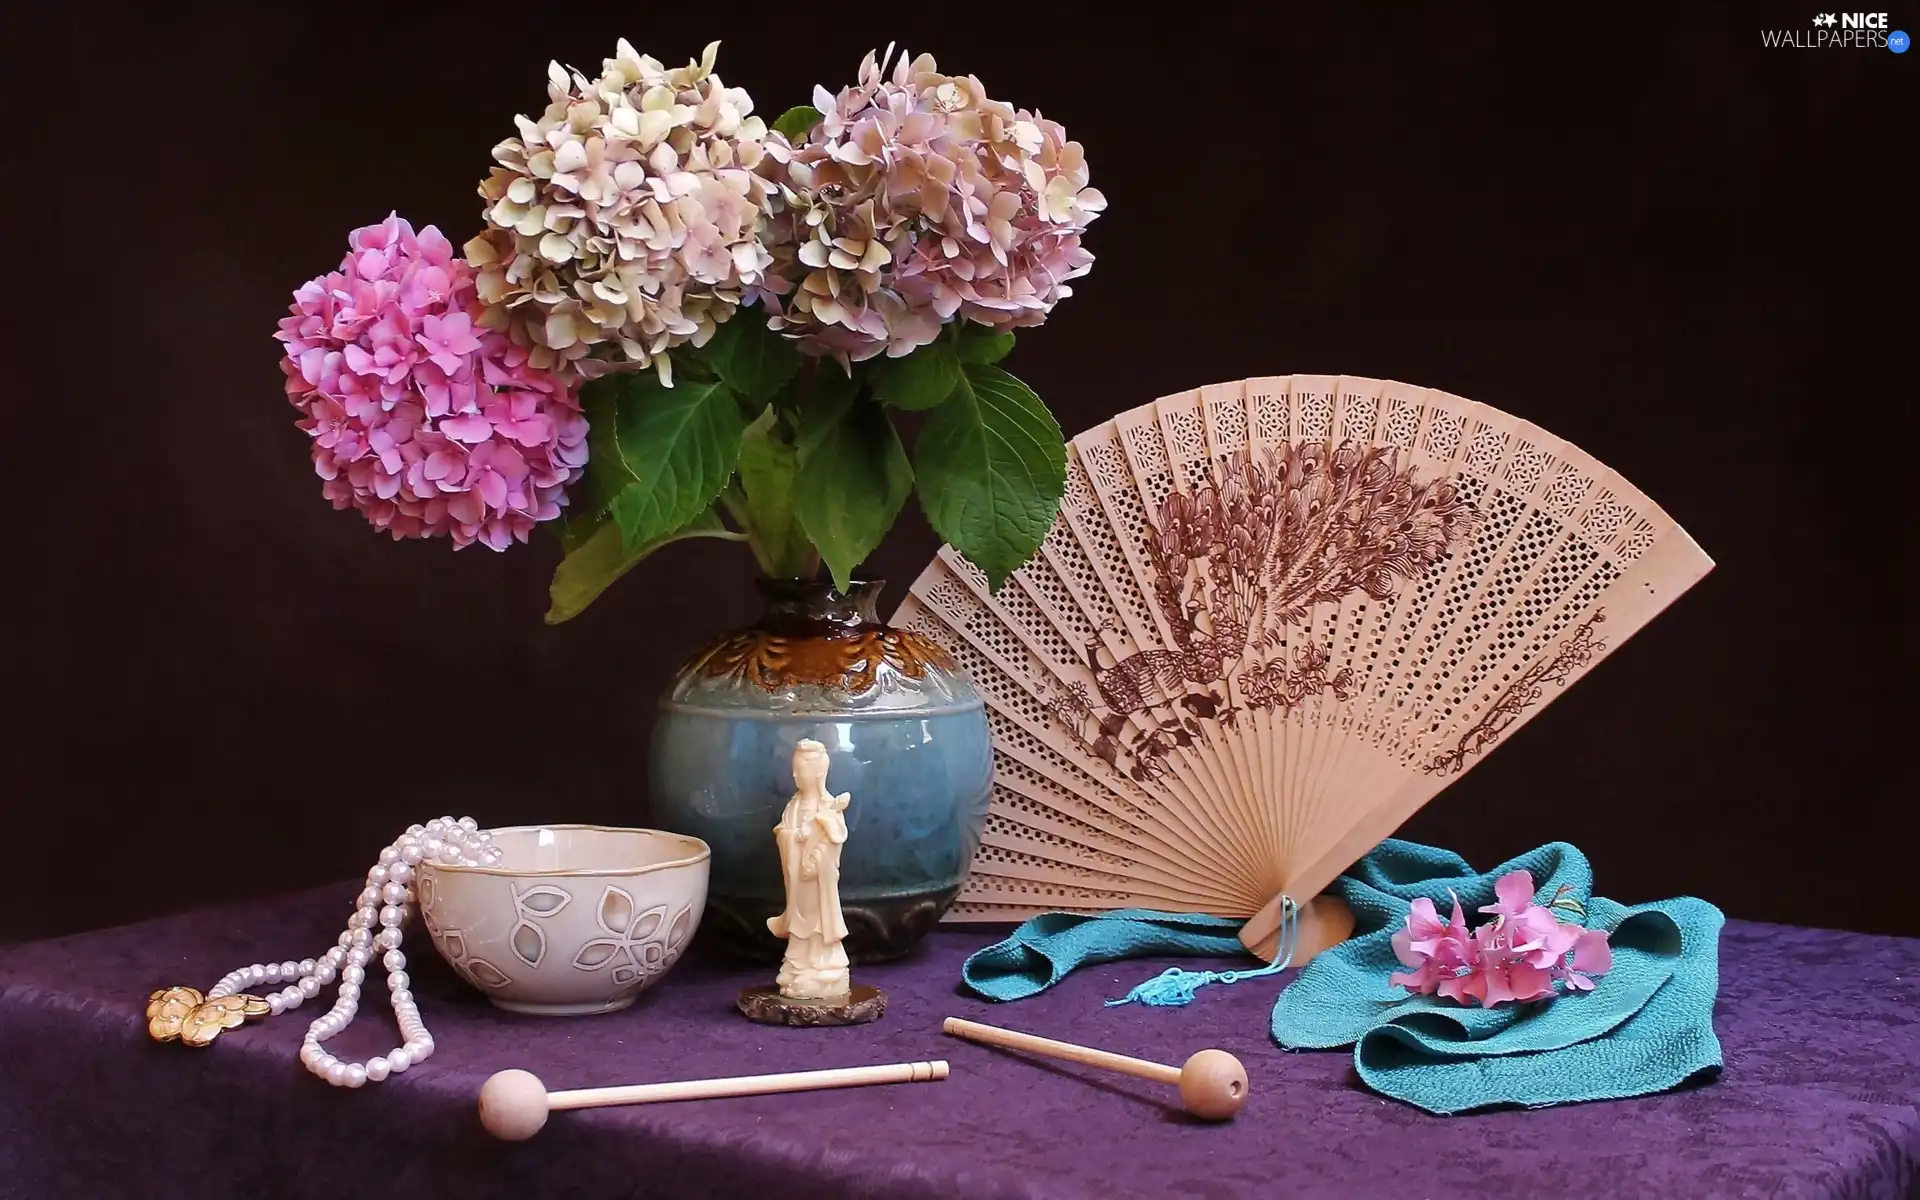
<point x="1047" y="948"/>
<point x="1647" y="1026"/>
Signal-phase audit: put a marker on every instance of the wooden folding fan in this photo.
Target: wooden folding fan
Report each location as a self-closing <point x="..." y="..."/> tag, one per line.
<point x="1272" y="620"/>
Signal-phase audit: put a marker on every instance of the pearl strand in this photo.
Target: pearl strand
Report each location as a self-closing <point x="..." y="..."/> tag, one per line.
<point x="375" y="926"/>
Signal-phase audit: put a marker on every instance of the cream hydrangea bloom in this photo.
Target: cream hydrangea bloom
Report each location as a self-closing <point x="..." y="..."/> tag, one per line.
<point x="626" y="220"/>
<point x="918" y="199"/>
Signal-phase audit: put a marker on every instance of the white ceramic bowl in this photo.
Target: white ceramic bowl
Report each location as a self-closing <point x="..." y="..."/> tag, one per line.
<point x="575" y="918"/>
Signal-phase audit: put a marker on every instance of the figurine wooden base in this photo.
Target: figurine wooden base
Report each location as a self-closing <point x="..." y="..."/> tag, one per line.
<point x="859" y="1006"/>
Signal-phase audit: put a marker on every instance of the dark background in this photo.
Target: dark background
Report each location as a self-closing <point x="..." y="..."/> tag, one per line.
<point x="1646" y="234"/>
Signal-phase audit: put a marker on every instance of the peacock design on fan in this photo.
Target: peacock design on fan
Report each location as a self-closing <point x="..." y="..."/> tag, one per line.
<point x="1236" y="562"/>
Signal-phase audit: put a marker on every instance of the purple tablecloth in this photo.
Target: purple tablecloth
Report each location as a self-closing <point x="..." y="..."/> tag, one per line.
<point x="1820" y="1096"/>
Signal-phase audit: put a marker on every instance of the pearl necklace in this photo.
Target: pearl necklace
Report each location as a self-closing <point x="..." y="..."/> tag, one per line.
<point x="378" y="916"/>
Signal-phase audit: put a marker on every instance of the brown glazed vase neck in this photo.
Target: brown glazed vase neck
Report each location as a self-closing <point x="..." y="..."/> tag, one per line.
<point x="810" y="635"/>
<point x="814" y="608"/>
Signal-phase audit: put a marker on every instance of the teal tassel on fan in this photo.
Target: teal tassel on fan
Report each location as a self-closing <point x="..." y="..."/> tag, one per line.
<point x="1177" y="986"/>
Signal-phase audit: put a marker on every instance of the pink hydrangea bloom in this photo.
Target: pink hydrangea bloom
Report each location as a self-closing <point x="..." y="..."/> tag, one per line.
<point x="426" y="423"/>
<point x="1517" y="956"/>
<point x="917" y="200"/>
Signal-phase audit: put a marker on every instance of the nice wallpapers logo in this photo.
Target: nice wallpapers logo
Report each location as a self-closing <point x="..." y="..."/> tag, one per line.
<point x="1840" y="31"/>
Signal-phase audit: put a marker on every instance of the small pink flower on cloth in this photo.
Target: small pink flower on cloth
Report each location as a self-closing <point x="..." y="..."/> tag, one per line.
<point x="1591" y="954"/>
<point x="1438" y="952"/>
<point x="1516" y="957"/>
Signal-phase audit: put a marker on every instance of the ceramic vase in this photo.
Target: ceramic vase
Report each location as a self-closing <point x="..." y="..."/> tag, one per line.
<point x="905" y="733"/>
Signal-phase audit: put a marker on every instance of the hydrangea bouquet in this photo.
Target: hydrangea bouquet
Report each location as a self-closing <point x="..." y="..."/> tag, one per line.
<point x="678" y="321"/>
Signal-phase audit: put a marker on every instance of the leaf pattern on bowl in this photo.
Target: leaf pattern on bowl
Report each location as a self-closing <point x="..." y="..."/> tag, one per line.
<point x="486" y="974"/>
<point x="535" y="903"/>
<point x="476" y="971"/>
<point x="423" y="890"/>
<point x="640" y="943"/>
<point x="541" y="900"/>
<point x="529" y="944"/>
<point x="636" y="943"/>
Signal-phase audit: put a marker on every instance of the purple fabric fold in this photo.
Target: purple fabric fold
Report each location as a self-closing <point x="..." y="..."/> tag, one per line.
<point x="1820" y="1095"/>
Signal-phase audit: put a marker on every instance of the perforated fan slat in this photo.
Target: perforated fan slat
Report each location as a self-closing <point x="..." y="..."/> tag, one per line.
<point x="1022" y="721"/>
<point x="1274" y="617"/>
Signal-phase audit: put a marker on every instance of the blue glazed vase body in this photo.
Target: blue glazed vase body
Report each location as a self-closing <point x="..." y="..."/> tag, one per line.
<point x="906" y="735"/>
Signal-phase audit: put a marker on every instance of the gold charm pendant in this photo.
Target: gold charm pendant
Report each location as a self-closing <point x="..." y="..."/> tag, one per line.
<point x="183" y="1013"/>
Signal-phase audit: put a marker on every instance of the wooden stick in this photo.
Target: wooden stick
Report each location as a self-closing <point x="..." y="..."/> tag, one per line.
<point x="994" y="1036"/>
<point x="1212" y="1083"/>
<point x="748" y="1085"/>
<point x="514" y="1104"/>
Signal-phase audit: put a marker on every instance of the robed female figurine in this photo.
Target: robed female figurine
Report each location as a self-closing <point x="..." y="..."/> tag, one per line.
<point x="810" y="834"/>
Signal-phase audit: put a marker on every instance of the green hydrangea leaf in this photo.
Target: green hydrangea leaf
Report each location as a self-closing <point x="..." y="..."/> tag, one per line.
<point x="794" y="123"/>
<point x="854" y="474"/>
<point x="991" y="465"/>
<point x="979" y="344"/>
<point x="768" y="467"/>
<point x="751" y="359"/>
<point x="657" y="455"/>
<point x="919" y="380"/>
<point x="597" y="556"/>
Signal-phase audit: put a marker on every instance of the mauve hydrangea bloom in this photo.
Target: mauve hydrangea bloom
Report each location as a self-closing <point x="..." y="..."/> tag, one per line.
<point x="1517" y="956"/>
<point x="625" y="221"/>
<point x="426" y="423"/>
<point x="916" y="200"/>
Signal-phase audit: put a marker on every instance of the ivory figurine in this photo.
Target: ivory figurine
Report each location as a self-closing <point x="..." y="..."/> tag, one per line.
<point x="810" y="835"/>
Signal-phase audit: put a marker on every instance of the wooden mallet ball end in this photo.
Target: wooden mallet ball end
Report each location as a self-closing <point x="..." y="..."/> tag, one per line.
<point x="513" y="1105"/>
<point x="1213" y="1085"/>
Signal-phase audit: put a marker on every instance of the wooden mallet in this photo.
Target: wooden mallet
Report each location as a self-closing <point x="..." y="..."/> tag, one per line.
<point x="1213" y="1084"/>
<point x="514" y="1104"/>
